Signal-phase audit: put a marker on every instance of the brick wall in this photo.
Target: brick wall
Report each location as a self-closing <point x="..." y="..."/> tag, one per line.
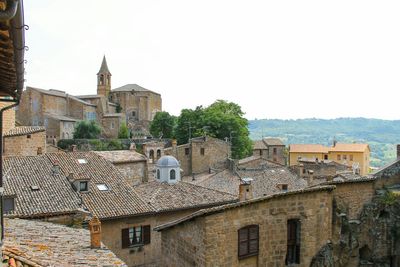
<point x="213" y="240"/>
<point x="24" y="146"/>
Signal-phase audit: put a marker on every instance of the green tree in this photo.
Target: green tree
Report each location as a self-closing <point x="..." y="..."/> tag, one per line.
<point x="123" y="132"/>
<point x="163" y="124"/>
<point x="222" y="120"/>
<point x="87" y="130"/>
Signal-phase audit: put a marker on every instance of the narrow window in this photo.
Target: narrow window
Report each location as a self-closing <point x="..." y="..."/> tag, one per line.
<point x="133" y="113"/>
<point x="202" y="151"/>
<point x="325" y="157"/>
<point x="83" y="186"/>
<point x="28" y="136"/>
<point x="351" y="157"/>
<point x="274" y="151"/>
<point x="186" y="151"/>
<point x="338" y="157"/>
<point x="293" y="241"/>
<point x="248" y="241"/>
<point x="8" y="203"/>
<point x="261" y="152"/>
<point x="151" y="154"/>
<point x="112" y="125"/>
<point x="135" y="236"/>
<point x="158" y="153"/>
<point x="172" y="174"/>
<point x="284" y="187"/>
<point x="344" y="157"/>
<point x="158" y="174"/>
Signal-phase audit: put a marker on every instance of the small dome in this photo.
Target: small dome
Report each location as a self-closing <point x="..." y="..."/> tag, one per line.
<point x="167" y="161"/>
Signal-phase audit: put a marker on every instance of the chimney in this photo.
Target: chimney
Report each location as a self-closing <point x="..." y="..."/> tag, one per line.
<point x="398" y="151"/>
<point x="144" y="152"/>
<point x="174" y="143"/>
<point x="73" y="148"/>
<point x="56" y="167"/>
<point x="132" y="146"/>
<point x="70" y="177"/>
<point x="310" y="177"/>
<point x="95" y="232"/>
<point x="301" y="170"/>
<point x="39" y="151"/>
<point x="245" y="189"/>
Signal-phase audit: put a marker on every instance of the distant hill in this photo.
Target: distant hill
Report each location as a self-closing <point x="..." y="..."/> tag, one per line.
<point x="381" y="135"/>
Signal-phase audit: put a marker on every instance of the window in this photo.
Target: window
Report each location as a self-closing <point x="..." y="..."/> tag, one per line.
<point x="293" y="241"/>
<point x="261" y="152"/>
<point x="344" y="157"/>
<point x="172" y="175"/>
<point x="8" y="203"/>
<point x="28" y="136"/>
<point x="82" y="161"/>
<point x="83" y="186"/>
<point x="186" y="151"/>
<point x="158" y="174"/>
<point x="274" y="151"/>
<point x="112" y="125"/>
<point x="248" y="241"/>
<point x="34" y="188"/>
<point x="284" y="187"/>
<point x="325" y="157"/>
<point x="91" y="116"/>
<point x="351" y="157"/>
<point x="135" y="236"/>
<point x="133" y="113"/>
<point x="202" y="151"/>
<point x="338" y="157"/>
<point x="102" y="187"/>
<point x="151" y="154"/>
<point x="158" y="153"/>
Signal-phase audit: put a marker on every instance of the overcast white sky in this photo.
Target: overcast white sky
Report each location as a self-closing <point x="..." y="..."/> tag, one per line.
<point x="277" y="59"/>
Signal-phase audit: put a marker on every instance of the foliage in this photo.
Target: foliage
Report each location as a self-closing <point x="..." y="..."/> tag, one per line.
<point x="118" y="108"/>
<point x="381" y="135"/>
<point x="123" y="132"/>
<point x="95" y="144"/>
<point x="222" y="120"/>
<point x="87" y="130"/>
<point x="163" y="125"/>
<point x="389" y="198"/>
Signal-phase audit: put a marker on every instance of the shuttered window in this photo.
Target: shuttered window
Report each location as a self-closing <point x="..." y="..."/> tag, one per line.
<point x="293" y="241"/>
<point x="135" y="236"/>
<point x="248" y="241"/>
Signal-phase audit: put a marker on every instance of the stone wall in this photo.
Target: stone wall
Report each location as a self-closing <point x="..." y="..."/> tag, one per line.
<point x="25" y="145"/>
<point x="147" y="255"/>
<point x="213" y="240"/>
<point x="8" y="117"/>
<point x="134" y="172"/>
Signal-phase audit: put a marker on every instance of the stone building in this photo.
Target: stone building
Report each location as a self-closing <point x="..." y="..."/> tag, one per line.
<point x="32" y="243"/>
<point x="325" y="225"/>
<point x="201" y="154"/>
<point x="272" y="149"/>
<point x="132" y="165"/>
<point x="25" y="141"/>
<point x="356" y="156"/>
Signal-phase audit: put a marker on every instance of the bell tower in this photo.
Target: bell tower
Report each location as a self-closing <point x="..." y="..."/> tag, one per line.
<point x="104" y="79"/>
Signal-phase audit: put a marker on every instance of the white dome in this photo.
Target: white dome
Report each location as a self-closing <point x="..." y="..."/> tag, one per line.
<point x="167" y="161"/>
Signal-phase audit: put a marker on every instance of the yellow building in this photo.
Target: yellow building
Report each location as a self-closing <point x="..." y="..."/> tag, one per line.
<point x="356" y="156"/>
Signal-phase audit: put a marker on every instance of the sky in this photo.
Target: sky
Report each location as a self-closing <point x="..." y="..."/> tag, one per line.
<point x="285" y="59"/>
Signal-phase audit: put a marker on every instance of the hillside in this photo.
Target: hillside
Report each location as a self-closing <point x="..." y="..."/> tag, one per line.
<point x="381" y="135"/>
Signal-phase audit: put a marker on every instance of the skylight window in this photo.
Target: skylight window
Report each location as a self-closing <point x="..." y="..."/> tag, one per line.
<point x="34" y="187"/>
<point x="82" y="161"/>
<point x="102" y="187"/>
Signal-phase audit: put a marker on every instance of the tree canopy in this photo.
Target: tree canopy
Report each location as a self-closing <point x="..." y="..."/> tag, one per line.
<point x="123" y="132"/>
<point x="87" y="130"/>
<point x="163" y="125"/>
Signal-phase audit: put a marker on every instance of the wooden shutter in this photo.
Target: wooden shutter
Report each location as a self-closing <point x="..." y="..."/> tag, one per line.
<point x="253" y="239"/>
<point x="146" y="234"/>
<point x="125" y="238"/>
<point x="243" y="235"/>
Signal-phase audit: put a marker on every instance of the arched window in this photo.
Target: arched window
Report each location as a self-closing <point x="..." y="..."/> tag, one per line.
<point x="158" y="174"/>
<point x="151" y="156"/>
<point x="158" y="153"/>
<point x="172" y="175"/>
<point x="101" y="79"/>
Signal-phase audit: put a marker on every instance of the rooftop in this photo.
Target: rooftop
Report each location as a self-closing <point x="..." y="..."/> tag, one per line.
<point x="59" y="93"/>
<point x="24" y="130"/>
<point x="48" y="244"/>
<point x="54" y="195"/>
<point x="132" y="87"/>
<point x="316" y="148"/>
<point x="164" y="197"/>
<point x="121" y="156"/>
<point x="270" y="141"/>
<point x="60" y="117"/>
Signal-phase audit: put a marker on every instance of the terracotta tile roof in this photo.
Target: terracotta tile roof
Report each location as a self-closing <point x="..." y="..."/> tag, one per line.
<point x="60" y="117"/>
<point x="132" y="87"/>
<point x="48" y="244"/>
<point x="208" y="211"/>
<point x="182" y="195"/>
<point x="308" y="148"/>
<point x="259" y="144"/>
<point x="273" y="141"/>
<point x="265" y="182"/>
<point x="339" y="147"/>
<point x="24" y="130"/>
<point x="262" y="162"/>
<point x="54" y="195"/>
<point x="122" y="156"/>
<point x="119" y="201"/>
<point x="59" y="93"/>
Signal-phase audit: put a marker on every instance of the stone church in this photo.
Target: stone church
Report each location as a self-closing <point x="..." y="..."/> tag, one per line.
<point x="59" y="111"/>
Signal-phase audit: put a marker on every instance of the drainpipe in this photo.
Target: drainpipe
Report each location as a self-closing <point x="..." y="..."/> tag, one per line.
<point x="10" y="11"/>
<point x="1" y="165"/>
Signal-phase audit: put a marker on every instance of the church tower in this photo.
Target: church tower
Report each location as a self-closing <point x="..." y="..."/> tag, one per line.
<point x="104" y="79"/>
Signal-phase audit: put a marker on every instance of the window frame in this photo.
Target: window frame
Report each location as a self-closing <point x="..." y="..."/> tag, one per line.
<point x="87" y="186"/>
<point x="128" y="241"/>
<point x="170" y="174"/>
<point x="293" y="254"/>
<point x="187" y="151"/>
<point x="202" y="151"/>
<point x="246" y="230"/>
<point x="5" y="199"/>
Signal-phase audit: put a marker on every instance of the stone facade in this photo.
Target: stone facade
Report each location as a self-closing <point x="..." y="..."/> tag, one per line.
<point x="272" y="149"/>
<point x="8" y="117"/>
<point x="201" y="154"/>
<point x="212" y="240"/>
<point x="25" y="145"/>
